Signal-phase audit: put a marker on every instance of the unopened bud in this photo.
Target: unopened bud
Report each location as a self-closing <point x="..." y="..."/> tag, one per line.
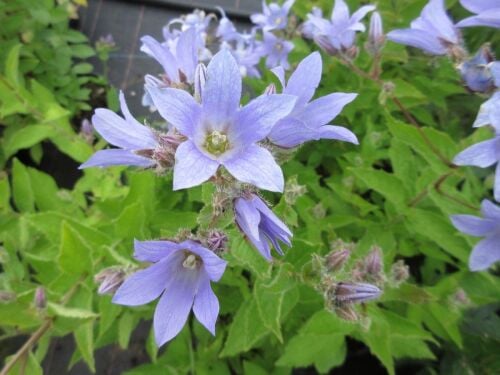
<point x="217" y="241"/>
<point x="347" y="312"/>
<point x="40" y="298"/>
<point x="399" y="272"/>
<point x="461" y="297"/>
<point x="270" y="90"/>
<point x="200" y="78"/>
<point x="336" y="259"/>
<point x="109" y="280"/>
<point x="319" y="211"/>
<point x="6" y="296"/>
<point x="87" y="130"/>
<point x="373" y="262"/>
<point x="348" y="292"/>
<point x="376" y="35"/>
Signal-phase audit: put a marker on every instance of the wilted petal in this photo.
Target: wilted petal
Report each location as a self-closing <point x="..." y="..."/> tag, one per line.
<point x="256" y="165"/>
<point x="174" y="306"/>
<point x="154" y="251"/>
<point x="146" y="285"/>
<point x="206" y="305"/>
<point x="255" y="120"/>
<point x="482" y="154"/>
<point x="110" y="157"/>
<point x="222" y="94"/>
<point x="191" y="166"/>
<point x="178" y="108"/>
<point x="473" y="225"/>
<point x="485" y="253"/>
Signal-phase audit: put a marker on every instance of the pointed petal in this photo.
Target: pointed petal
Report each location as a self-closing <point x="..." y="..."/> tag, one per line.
<point x="161" y="54"/>
<point x="206" y="305"/>
<point x="496" y="184"/>
<point x="291" y="132"/>
<point x="485" y="253"/>
<point x="478" y="6"/>
<point x="118" y="132"/>
<point x="146" y="285"/>
<point x="418" y="39"/>
<point x="255" y="120"/>
<point x="110" y="157"/>
<point x="256" y="165"/>
<point x="222" y="90"/>
<point x="340" y="12"/>
<point x="191" y="166"/>
<point x="248" y="217"/>
<point x="473" y="225"/>
<point x="173" y="309"/>
<point x="187" y="53"/>
<point x="482" y="154"/>
<point x="321" y="111"/>
<point x="305" y="79"/>
<point x="490" y="210"/>
<point x="338" y="133"/>
<point x="488" y="18"/>
<point x="178" y="108"/>
<point x="154" y="251"/>
<point x="279" y="72"/>
<point x="361" y="13"/>
<point x="212" y="264"/>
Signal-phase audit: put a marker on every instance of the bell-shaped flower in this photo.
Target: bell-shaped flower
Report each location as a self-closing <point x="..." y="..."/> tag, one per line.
<point x="487" y="153"/>
<point x="219" y="132"/>
<point x="179" y="64"/>
<point x="273" y="16"/>
<point x="477" y="73"/>
<point x="260" y="225"/>
<point x="308" y="120"/>
<point x="432" y="32"/>
<point x="487" y="251"/>
<point x="339" y="33"/>
<point x="226" y="29"/>
<point x="180" y="276"/>
<point x="315" y="24"/>
<point x="133" y="139"/>
<point x="487" y="13"/>
<point x="275" y="50"/>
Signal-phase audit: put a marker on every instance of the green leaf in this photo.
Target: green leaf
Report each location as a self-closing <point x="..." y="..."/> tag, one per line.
<point x="74" y="252"/>
<point x="126" y="325"/>
<point x="84" y="337"/>
<point x="384" y="183"/>
<point x="26" y="137"/>
<point x="22" y="190"/>
<point x="82" y="51"/>
<point x="4" y="192"/>
<point x="12" y="65"/>
<point x="28" y="366"/>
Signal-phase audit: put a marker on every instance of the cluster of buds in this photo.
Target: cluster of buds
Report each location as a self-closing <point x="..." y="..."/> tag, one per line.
<point x="370" y="268"/>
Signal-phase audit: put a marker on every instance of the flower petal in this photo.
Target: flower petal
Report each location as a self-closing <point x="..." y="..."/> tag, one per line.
<point x="485" y="253"/>
<point x="173" y="309"/>
<point x="154" y="251"/>
<point x="206" y="305"/>
<point x="337" y="132"/>
<point x="161" y="54"/>
<point x="321" y="111"/>
<point x="222" y="94"/>
<point x="490" y="210"/>
<point x="482" y="154"/>
<point x="187" y="54"/>
<point x="110" y="157"/>
<point x="473" y="225"/>
<point x="124" y="134"/>
<point x="247" y="217"/>
<point x="146" y="285"/>
<point x="254" y="121"/>
<point x="256" y="165"/>
<point x="191" y="166"/>
<point x="418" y="39"/>
<point x="496" y="184"/>
<point x="476" y="6"/>
<point x="212" y="264"/>
<point x="305" y="79"/>
<point x="178" y="108"/>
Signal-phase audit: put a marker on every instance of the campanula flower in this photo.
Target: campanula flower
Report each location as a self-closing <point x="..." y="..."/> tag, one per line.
<point x="308" y="120"/>
<point x="275" y="50"/>
<point x="260" y="225"/>
<point x="338" y="34"/>
<point x="219" y="132"/>
<point x="179" y="67"/>
<point x="487" y="13"/>
<point x="487" y="251"/>
<point x="476" y="72"/>
<point x="432" y="32"/>
<point x="349" y="292"/>
<point x="487" y="153"/>
<point x="314" y="24"/>
<point x="180" y="276"/>
<point x="127" y="133"/>
<point x="273" y="16"/>
<point x="226" y="29"/>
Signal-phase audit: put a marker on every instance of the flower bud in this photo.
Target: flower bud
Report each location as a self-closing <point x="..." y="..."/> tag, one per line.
<point x="336" y="259"/>
<point x="271" y="89"/>
<point x="461" y="298"/>
<point x="476" y="73"/>
<point x="109" y="280"/>
<point x="6" y="296"/>
<point x="217" y="241"/>
<point x="373" y="262"/>
<point x="376" y="35"/>
<point x="87" y="130"/>
<point x="200" y="78"/>
<point x="40" y="298"/>
<point x="400" y="272"/>
<point x="348" y="292"/>
<point x="319" y="211"/>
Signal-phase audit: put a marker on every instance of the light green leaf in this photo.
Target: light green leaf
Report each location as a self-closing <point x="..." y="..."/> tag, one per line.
<point x="74" y="252"/>
<point x="71" y="312"/>
<point x="22" y="190"/>
<point x="84" y="337"/>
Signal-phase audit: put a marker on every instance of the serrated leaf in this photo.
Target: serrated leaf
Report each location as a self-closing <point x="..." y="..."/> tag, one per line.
<point x="84" y="337"/>
<point x="26" y="137"/>
<point x="74" y="252"/>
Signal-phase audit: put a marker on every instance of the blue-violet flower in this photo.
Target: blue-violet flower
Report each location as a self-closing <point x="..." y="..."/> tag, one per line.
<point x="487" y="13"/>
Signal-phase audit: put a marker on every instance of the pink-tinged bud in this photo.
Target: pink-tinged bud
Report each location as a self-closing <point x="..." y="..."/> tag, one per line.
<point x="336" y="259"/>
<point x="400" y="272"/>
<point x="109" y="280"/>
<point x="87" y="130"/>
<point x="348" y="292"/>
<point x="217" y="241"/>
<point x="270" y="90"/>
<point x="373" y="262"/>
<point x="200" y="78"/>
<point x="6" y="296"/>
<point x="376" y="35"/>
<point x="347" y="312"/>
<point x="40" y="298"/>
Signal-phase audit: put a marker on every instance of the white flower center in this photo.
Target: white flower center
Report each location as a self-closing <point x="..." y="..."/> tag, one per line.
<point x="191" y="262"/>
<point x="216" y="143"/>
